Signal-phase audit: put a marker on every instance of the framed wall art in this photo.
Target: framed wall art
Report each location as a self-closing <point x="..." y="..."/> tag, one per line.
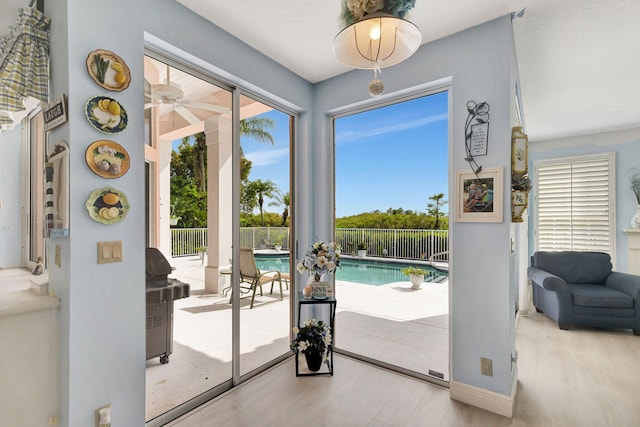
<point x="479" y="196"/>
<point x="519" y="151"/>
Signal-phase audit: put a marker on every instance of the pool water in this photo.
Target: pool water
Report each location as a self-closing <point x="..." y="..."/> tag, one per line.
<point x="360" y="271"/>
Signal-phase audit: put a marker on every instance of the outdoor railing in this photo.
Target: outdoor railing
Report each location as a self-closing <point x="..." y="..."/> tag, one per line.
<point x="394" y="243"/>
<point x="189" y="241"/>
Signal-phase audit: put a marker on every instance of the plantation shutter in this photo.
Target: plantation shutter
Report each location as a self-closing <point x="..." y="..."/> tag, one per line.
<point x="575" y="204"/>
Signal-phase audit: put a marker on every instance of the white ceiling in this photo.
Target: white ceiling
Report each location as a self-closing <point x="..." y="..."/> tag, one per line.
<point x="579" y="59"/>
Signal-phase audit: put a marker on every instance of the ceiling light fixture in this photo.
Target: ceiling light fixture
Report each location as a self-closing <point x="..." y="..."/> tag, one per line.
<point x="374" y="38"/>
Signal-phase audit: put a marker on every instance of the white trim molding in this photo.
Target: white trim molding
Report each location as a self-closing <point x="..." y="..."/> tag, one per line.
<point x="488" y="400"/>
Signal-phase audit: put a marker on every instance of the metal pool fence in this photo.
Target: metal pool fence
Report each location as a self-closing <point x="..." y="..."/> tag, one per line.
<point x="393" y="243"/>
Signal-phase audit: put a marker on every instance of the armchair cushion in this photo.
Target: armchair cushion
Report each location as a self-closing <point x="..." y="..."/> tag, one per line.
<point x="601" y="296"/>
<point x="575" y="267"/>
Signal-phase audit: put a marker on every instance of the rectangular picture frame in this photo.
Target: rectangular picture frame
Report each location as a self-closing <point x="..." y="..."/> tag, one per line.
<point x="479" y="197"/>
<point x="519" y="151"/>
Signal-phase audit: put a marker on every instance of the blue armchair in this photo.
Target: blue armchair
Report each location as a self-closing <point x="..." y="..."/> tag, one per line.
<point x="580" y="289"/>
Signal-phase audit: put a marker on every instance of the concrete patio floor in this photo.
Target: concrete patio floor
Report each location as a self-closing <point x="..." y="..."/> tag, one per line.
<point x="393" y="323"/>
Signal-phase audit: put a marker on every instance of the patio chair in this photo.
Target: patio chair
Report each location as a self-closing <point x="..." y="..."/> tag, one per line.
<point x="250" y="274"/>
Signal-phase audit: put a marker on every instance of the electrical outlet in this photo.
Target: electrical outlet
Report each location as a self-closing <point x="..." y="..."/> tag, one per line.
<point x="486" y="367"/>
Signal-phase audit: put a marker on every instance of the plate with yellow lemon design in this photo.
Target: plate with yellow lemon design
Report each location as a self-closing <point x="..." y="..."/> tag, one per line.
<point x="106" y="114"/>
<point x="108" y="70"/>
<point x="107" y="205"/>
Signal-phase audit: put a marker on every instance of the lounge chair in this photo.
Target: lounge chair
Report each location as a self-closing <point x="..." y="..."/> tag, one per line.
<point x="250" y="274"/>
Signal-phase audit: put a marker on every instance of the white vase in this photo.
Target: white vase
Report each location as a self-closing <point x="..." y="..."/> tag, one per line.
<point x="416" y="280"/>
<point x="635" y="221"/>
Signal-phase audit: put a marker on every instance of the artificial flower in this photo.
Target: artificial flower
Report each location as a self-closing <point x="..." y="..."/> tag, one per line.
<point x="356" y="7"/>
<point x="371" y="6"/>
<point x="320" y="259"/>
<point x="398" y="8"/>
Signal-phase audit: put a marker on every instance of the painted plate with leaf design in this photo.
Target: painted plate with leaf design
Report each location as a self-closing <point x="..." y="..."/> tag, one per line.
<point x="106" y="114"/>
<point x="107" y="159"/>
<point x="108" y="70"/>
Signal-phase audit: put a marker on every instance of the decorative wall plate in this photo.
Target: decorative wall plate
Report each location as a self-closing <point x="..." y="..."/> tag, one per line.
<point x="107" y="205"/>
<point x="106" y="114"/>
<point x="107" y="158"/>
<point x="108" y="70"/>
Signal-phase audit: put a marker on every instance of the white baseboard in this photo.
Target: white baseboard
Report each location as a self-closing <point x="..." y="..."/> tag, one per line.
<point x="484" y="399"/>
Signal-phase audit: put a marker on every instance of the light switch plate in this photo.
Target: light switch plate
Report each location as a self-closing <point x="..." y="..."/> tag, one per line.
<point x="486" y="366"/>
<point x="109" y="252"/>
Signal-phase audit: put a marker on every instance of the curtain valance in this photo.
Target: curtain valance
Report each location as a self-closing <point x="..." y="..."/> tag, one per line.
<point x="24" y="62"/>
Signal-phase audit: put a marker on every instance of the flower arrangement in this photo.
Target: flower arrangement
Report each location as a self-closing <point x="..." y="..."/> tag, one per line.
<point x="313" y="336"/>
<point x="354" y="10"/>
<point x="320" y="259"/>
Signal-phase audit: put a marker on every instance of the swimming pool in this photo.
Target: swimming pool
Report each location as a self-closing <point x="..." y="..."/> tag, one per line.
<point x="370" y="272"/>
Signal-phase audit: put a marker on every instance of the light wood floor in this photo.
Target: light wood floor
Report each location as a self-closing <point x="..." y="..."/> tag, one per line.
<point x="582" y="377"/>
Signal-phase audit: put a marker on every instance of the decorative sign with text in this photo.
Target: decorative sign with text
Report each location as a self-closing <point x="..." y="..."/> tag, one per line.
<point x="479" y="138"/>
<point x="55" y="113"/>
<point x="319" y="289"/>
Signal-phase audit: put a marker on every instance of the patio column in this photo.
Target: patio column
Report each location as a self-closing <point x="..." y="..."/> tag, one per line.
<point x="219" y="199"/>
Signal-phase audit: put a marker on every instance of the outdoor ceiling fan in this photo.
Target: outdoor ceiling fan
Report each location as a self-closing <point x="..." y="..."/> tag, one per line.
<point x="171" y="95"/>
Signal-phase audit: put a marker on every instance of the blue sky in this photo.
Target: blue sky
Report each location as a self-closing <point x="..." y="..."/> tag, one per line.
<point x="390" y="157"/>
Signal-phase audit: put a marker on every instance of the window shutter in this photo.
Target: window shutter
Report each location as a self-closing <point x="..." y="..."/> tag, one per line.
<point x="574" y="209"/>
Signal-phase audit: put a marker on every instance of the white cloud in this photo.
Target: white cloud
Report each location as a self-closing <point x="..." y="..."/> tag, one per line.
<point x="267" y="157"/>
<point x="350" y="136"/>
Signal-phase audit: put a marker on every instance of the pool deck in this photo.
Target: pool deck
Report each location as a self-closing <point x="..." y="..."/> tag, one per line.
<point x="394" y="323"/>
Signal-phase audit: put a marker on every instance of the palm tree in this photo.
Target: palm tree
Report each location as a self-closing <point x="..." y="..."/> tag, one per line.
<point x="199" y="159"/>
<point x="434" y="208"/>
<point x="255" y="127"/>
<point x="285" y="200"/>
<point x="263" y="189"/>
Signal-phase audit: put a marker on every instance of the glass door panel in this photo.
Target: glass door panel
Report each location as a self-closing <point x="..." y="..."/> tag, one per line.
<point x="189" y="138"/>
<point x="401" y="153"/>
<point x="265" y="198"/>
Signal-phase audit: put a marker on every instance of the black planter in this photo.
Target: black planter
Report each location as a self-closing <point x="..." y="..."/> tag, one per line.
<point x="314" y="360"/>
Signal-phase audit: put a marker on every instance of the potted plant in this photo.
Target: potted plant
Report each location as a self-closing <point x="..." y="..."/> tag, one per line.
<point x="173" y="218"/>
<point x="416" y="276"/>
<point x="278" y="245"/>
<point x="362" y="248"/>
<point x="338" y="249"/>
<point x="313" y="339"/>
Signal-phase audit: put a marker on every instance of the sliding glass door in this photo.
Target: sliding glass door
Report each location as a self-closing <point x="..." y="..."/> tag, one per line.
<point x="192" y="185"/>
<point x="391" y="215"/>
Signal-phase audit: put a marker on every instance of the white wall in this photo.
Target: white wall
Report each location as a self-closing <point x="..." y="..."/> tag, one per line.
<point x="480" y="63"/>
<point x="102" y="306"/>
<point x="11" y="162"/>
<point x="102" y="328"/>
<point x="626" y="146"/>
<point x="10" y="14"/>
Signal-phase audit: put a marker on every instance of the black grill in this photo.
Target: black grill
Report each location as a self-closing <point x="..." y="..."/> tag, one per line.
<point x="161" y="292"/>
